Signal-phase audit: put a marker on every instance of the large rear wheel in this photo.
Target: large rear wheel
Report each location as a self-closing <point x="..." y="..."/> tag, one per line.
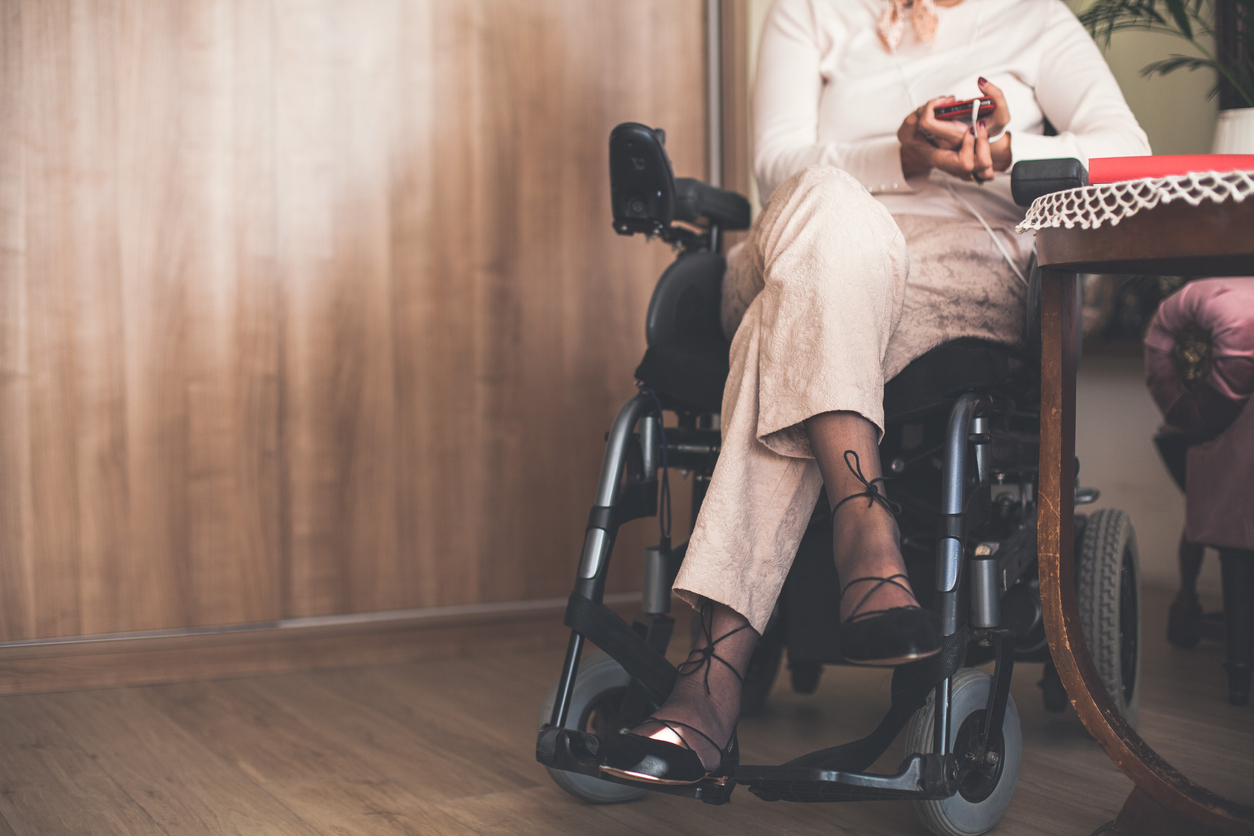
<point x="1108" y="575"/>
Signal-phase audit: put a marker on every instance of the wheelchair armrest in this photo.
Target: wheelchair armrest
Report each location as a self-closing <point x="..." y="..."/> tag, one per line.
<point x="1030" y="179"/>
<point x="695" y="200"/>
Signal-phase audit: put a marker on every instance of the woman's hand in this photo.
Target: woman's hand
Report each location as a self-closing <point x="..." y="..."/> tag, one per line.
<point x="956" y="147"/>
<point x="970" y="160"/>
<point x="943" y="133"/>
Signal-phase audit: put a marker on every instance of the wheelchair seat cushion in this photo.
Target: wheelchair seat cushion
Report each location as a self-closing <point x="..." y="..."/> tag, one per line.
<point x="688" y="376"/>
<point x="935" y="379"/>
<point x="692" y="375"/>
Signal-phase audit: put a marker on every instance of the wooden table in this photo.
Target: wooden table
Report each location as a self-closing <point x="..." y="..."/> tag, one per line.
<point x="1173" y="239"/>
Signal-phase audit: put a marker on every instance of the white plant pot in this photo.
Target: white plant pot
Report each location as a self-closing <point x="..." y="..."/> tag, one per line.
<point x="1234" y="132"/>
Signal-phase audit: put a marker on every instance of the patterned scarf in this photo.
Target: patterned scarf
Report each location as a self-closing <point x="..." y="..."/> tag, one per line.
<point x="892" y="23"/>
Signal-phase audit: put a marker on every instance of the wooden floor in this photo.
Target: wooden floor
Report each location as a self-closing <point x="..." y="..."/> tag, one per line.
<point x="446" y="747"/>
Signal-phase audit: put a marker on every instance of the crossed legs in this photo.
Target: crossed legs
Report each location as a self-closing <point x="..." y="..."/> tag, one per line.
<point x="707" y="693"/>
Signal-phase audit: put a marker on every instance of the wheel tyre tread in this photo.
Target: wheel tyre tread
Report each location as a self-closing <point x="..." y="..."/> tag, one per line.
<point x="918" y="738"/>
<point x="1099" y="565"/>
<point x="597" y="674"/>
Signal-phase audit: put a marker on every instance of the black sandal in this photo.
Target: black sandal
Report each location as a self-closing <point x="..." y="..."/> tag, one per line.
<point x="647" y="760"/>
<point x="891" y="636"/>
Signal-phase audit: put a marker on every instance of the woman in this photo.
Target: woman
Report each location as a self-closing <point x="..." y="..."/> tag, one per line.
<point x="885" y="233"/>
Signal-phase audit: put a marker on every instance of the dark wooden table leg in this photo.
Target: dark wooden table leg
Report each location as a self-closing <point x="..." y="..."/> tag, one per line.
<point x="1164" y="801"/>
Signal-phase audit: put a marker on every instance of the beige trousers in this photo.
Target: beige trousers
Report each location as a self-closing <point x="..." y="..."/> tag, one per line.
<point x="828" y="298"/>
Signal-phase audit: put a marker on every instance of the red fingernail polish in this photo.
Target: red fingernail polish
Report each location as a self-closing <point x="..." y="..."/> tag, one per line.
<point x="983" y="81"/>
<point x="983" y="124"/>
<point x="973" y="130"/>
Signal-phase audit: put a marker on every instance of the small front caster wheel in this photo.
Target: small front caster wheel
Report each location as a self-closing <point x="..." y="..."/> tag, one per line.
<point x="984" y="793"/>
<point x="595" y="708"/>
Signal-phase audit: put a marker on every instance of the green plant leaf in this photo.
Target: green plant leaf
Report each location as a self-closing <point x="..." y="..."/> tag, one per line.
<point x="1192" y="20"/>
<point x="1105" y="17"/>
<point x="1176" y="62"/>
<point x="1181" y="16"/>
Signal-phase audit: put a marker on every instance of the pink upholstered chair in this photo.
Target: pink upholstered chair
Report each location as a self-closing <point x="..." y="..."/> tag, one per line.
<point x="1199" y="360"/>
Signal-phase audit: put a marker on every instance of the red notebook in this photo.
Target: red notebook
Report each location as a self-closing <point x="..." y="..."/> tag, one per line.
<point x="1116" y="169"/>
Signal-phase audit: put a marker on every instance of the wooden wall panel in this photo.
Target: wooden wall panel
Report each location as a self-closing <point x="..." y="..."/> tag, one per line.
<point x="313" y="306"/>
<point x="16" y="588"/>
<point x="152" y="366"/>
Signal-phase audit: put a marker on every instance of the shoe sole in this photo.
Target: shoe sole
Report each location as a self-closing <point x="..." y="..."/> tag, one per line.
<point x="893" y="661"/>
<point x="649" y="779"/>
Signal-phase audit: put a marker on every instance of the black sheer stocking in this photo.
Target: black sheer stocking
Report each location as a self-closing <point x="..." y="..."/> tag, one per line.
<point x="702" y="711"/>
<point x="866" y="542"/>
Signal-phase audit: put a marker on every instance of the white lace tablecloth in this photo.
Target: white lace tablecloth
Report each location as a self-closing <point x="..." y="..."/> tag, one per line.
<point x="1091" y="206"/>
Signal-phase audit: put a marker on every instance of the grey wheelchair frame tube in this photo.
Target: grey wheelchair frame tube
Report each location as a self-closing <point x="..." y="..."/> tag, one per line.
<point x="949" y="551"/>
<point x="599" y="542"/>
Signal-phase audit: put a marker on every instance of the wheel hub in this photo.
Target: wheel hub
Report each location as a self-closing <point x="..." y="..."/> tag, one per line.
<point x="979" y="772"/>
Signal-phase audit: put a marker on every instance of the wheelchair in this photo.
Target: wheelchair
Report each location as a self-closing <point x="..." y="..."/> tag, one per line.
<point x="961" y="445"/>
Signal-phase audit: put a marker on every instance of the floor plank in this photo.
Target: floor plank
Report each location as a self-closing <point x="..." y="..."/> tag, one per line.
<point x="181" y="784"/>
<point x="49" y="785"/>
<point x="1185" y="713"/>
<point x="446" y="748"/>
<point x="334" y="789"/>
<point x="437" y="755"/>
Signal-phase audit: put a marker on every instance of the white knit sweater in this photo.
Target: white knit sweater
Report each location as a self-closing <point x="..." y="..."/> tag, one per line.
<point x="827" y="91"/>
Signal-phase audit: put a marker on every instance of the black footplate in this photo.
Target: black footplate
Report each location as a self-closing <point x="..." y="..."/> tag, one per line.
<point x="920" y="777"/>
<point x="574" y="751"/>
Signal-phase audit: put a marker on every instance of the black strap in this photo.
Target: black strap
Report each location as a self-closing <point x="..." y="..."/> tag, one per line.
<point x="872" y="492"/>
<point x="671" y="724"/>
<point x="705" y="655"/>
<point x="911" y="685"/>
<point x="856" y="615"/>
<point x="613" y="635"/>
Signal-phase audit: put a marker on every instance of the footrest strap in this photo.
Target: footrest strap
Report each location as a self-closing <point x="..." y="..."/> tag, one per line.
<point x="602" y="625"/>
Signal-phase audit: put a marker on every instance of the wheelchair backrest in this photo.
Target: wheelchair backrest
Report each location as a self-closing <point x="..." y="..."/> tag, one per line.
<point x="684" y="309"/>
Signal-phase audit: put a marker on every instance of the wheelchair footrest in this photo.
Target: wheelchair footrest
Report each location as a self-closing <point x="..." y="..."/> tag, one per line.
<point x="575" y="751"/>
<point x="920" y="777"/>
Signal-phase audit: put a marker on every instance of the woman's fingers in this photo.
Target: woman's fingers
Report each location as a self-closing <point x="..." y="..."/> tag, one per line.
<point x="941" y="133"/>
<point x="959" y="162"/>
<point x="971" y="157"/>
<point x="966" y="155"/>
<point x="909" y="130"/>
<point x="1000" y="117"/>
<point x="983" y="157"/>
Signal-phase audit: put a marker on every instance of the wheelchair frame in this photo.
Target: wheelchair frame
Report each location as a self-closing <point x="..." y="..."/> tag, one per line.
<point x="978" y="442"/>
<point x="628" y="490"/>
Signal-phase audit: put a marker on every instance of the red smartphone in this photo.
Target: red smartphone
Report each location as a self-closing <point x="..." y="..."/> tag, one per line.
<point x="962" y="110"/>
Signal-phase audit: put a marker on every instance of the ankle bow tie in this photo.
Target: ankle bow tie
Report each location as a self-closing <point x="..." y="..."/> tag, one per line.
<point x="892" y="23"/>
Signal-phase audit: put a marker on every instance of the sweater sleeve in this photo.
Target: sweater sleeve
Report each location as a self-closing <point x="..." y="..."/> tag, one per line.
<point x="1080" y="97"/>
<point x="786" y="98"/>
